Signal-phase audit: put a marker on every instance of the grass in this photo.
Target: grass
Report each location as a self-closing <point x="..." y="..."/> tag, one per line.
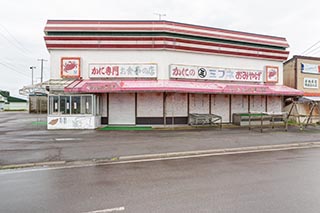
<point x="40" y="123"/>
<point x="125" y="128"/>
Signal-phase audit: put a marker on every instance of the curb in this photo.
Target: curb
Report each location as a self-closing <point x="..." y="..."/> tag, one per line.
<point x="165" y="156"/>
<point x="212" y="152"/>
<point x="38" y="164"/>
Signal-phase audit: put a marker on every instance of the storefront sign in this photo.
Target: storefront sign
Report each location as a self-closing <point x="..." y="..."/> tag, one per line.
<point x="272" y="74"/>
<point x="310" y="83"/>
<point x="212" y="73"/>
<point x="70" y="67"/>
<point x="310" y="68"/>
<point x="122" y="70"/>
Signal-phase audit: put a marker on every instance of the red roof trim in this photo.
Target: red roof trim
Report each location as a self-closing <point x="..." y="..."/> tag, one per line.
<point x="160" y="46"/>
<point x="117" y="22"/>
<point x="101" y="86"/>
<point x="150" y="29"/>
<point x="212" y="44"/>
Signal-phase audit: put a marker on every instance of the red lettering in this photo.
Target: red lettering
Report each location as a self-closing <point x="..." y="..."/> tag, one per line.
<point x="115" y="71"/>
<point x="184" y="72"/>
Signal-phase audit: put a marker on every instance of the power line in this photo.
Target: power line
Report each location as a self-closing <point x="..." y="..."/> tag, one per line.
<point x="304" y="52"/>
<point x="16" y="40"/>
<point x="313" y="50"/>
<point x="13" y="69"/>
<point x="15" y="43"/>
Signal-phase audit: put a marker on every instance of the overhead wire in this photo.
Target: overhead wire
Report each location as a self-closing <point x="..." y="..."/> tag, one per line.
<point x="14" y="42"/>
<point x="14" y="69"/>
<point x="308" y="49"/>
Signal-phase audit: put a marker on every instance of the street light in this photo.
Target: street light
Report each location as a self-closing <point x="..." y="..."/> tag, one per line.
<point x="32" y="74"/>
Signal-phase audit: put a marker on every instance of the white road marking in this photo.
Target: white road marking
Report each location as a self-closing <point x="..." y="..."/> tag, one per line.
<point x="118" y="209"/>
<point x="67" y="139"/>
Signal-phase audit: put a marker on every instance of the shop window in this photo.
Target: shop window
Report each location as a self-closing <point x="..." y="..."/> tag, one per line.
<point x="65" y="104"/>
<point x="86" y="105"/>
<point x="54" y="105"/>
<point x="75" y="104"/>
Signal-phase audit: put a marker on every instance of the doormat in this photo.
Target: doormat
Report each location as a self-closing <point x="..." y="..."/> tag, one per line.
<point x="125" y="128"/>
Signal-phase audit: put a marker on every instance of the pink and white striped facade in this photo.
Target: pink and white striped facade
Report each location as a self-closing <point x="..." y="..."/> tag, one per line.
<point x="162" y="70"/>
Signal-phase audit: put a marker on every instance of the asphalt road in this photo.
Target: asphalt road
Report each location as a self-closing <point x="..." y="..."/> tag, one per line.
<point x="23" y="139"/>
<point x="284" y="181"/>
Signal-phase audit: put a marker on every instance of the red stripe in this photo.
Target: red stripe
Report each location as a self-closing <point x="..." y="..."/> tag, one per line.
<point x="150" y="29"/>
<point x="158" y="46"/>
<point x="172" y="39"/>
<point x="212" y="29"/>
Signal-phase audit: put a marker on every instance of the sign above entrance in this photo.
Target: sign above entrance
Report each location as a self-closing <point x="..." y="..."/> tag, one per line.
<point x="122" y="70"/>
<point x="212" y="73"/>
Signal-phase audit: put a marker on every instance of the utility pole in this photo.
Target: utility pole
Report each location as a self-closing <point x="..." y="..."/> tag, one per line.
<point x="42" y="60"/>
<point x="33" y="67"/>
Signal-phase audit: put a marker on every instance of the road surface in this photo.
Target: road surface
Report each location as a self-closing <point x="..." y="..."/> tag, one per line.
<point x="283" y="181"/>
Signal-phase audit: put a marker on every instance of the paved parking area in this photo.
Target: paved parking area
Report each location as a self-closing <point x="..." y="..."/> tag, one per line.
<point x="24" y="139"/>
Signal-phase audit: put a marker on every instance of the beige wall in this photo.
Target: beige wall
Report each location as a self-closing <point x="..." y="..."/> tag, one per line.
<point x="301" y="76"/>
<point x="289" y="74"/>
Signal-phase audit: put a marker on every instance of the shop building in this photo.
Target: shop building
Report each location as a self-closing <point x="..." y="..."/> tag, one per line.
<point x="159" y="72"/>
<point x="303" y="73"/>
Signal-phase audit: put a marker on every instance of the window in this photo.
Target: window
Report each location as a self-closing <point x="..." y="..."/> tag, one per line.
<point x="53" y="106"/>
<point x="86" y="104"/>
<point x="65" y="104"/>
<point x="73" y="104"/>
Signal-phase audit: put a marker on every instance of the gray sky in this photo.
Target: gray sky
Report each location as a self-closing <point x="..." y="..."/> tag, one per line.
<point x="22" y="24"/>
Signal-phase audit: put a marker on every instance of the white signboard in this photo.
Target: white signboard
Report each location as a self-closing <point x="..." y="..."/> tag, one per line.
<point x="73" y="122"/>
<point x="212" y="73"/>
<point x="310" y="83"/>
<point x="122" y="70"/>
<point x="310" y="68"/>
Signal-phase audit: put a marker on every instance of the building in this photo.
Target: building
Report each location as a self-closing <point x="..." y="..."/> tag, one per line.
<point x="159" y="72"/>
<point x="303" y="73"/>
<point x="10" y="103"/>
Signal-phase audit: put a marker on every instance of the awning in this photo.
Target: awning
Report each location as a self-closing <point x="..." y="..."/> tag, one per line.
<point x="310" y="98"/>
<point x="114" y="86"/>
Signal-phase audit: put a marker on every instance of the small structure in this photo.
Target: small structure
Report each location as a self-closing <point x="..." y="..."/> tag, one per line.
<point x="303" y="73"/>
<point x="304" y="111"/>
<point x="196" y="119"/>
<point x="261" y="119"/>
<point x="10" y="103"/>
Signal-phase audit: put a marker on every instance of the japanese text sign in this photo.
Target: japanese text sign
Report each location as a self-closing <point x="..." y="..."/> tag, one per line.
<point x="122" y="70"/>
<point x="212" y="73"/>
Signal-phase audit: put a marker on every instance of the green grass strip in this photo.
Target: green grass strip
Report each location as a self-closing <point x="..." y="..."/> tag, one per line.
<point x="41" y="123"/>
<point x="125" y="128"/>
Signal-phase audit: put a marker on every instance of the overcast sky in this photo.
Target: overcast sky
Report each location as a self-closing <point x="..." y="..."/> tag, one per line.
<point x="22" y="24"/>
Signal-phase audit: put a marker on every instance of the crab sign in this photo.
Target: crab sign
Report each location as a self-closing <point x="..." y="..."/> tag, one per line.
<point x="272" y="74"/>
<point x="69" y="66"/>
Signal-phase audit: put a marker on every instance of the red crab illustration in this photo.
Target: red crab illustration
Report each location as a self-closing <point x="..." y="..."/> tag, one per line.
<point x="69" y="66"/>
<point x="271" y="74"/>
